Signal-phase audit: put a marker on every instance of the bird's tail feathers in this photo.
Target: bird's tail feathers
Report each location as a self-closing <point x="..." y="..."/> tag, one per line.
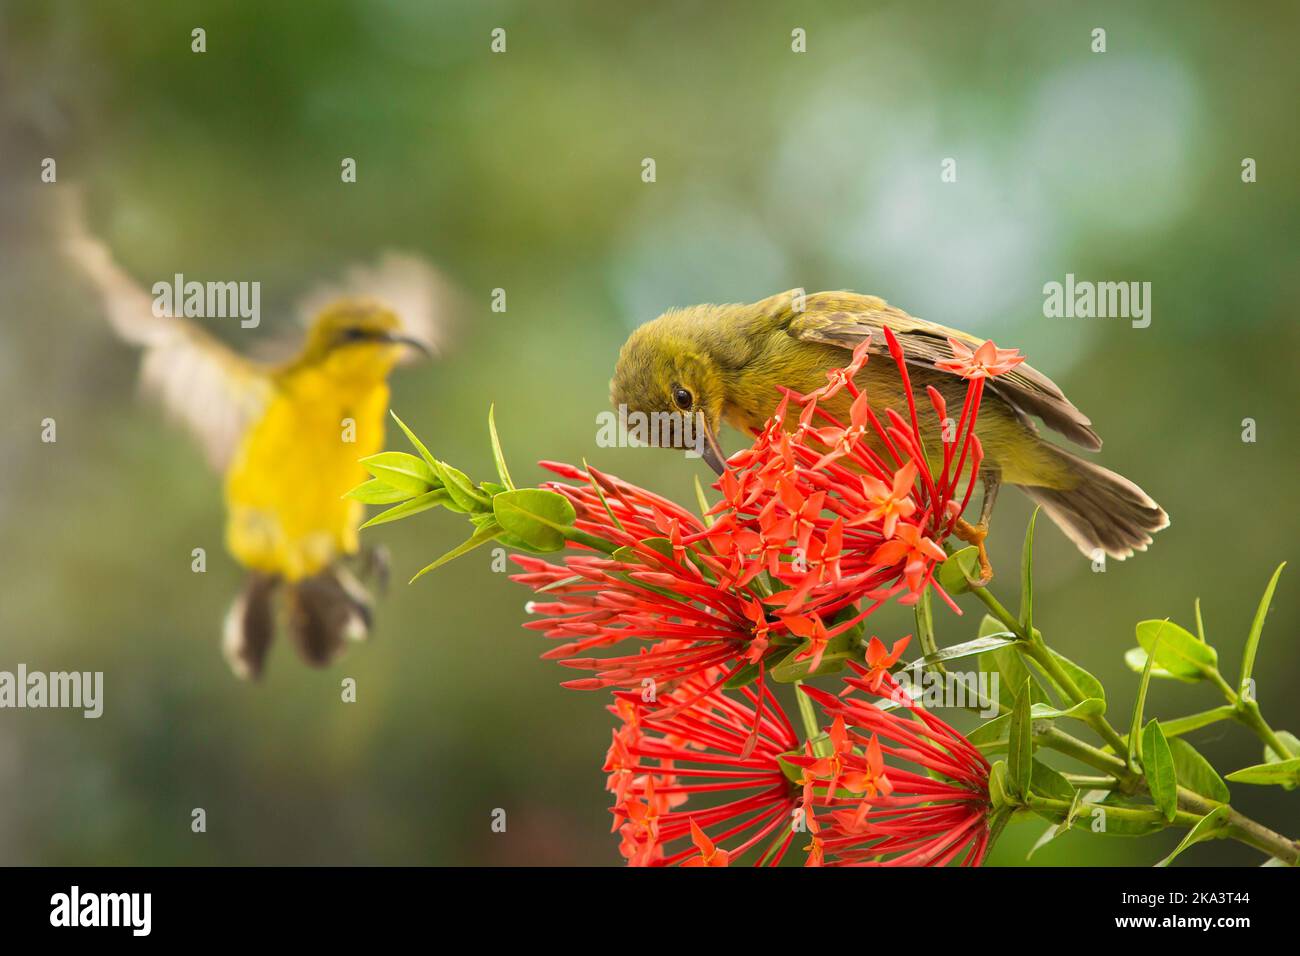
<point x="250" y="626"/>
<point x="322" y="613"/>
<point x="1103" y="511"/>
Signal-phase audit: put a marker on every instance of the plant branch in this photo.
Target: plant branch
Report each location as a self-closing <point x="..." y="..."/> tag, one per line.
<point x="1239" y="826"/>
<point x="1247" y="713"/>
<point x="1033" y="646"/>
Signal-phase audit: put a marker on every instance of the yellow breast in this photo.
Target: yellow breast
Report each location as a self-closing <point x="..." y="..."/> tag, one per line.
<point x="286" y="513"/>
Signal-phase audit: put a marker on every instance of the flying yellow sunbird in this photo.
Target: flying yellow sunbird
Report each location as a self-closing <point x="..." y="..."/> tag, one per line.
<point x="726" y="363"/>
<point x="287" y="437"/>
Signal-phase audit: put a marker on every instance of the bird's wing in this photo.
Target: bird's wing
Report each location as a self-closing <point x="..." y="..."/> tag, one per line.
<point x="210" y="388"/>
<point x="416" y="293"/>
<point x="843" y="319"/>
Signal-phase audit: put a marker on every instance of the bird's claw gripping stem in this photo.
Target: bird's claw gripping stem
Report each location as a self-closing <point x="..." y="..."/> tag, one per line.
<point x="975" y="534"/>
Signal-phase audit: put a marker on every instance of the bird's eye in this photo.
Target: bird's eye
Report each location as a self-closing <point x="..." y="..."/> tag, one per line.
<point x="682" y="398"/>
<point x="353" y="334"/>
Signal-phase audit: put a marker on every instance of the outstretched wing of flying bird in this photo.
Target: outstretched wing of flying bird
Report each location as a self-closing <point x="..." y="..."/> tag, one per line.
<point x="214" y="391"/>
<point x="843" y="319"/>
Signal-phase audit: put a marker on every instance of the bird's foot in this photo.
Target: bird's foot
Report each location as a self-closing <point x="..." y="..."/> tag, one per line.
<point x="975" y="534"/>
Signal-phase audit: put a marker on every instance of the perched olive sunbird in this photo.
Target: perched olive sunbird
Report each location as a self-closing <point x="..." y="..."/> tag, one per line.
<point x="726" y="363"/>
<point x="286" y="436"/>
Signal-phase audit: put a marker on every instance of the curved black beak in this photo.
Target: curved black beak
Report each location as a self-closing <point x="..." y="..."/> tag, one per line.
<point x="405" y="340"/>
<point x="709" y="448"/>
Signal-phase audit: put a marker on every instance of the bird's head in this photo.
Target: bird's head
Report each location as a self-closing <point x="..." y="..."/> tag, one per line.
<point x="673" y="381"/>
<point x="357" y="338"/>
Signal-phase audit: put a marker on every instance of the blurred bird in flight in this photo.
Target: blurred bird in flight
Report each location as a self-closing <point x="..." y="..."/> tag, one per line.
<point x="286" y="436"/>
<point x="728" y="362"/>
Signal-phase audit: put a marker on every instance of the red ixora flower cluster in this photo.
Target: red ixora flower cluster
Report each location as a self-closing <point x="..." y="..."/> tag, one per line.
<point x="832" y="509"/>
<point x="820" y="523"/>
<point x="689" y="789"/>
<point x="813" y="520"/>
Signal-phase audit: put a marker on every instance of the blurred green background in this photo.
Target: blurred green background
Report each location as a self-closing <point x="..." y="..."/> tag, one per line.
<point x="522" y="171"/>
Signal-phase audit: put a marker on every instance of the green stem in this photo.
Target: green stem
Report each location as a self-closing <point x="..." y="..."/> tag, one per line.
<point x="1247" y="713"/>
<point x="924" y="613"/>
<point x="1098" y="722"/>
<point x="1216" y="678"/>
<point x="1122" y="777"/>
<point x="1033" y="646"/>
<point x="808" y="715"/>
<point x="998" y="611"/>
<point x="1244" y="712"/>
<point x="1084" y="782"/>
<point x="1132" y="814"/>
<point x="1183" y="725"/>
<point x="1239" y="827"/>
<point x="590" y="540"/>
<point x="1086" y="753"/>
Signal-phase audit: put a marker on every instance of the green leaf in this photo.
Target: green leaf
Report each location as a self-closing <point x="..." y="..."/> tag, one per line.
<point x="989" y="626"/>
<point x="838" y="650"/>
<point x="415" y="442"/>
<point x="1047" y="782"/>
<point x="996" y="731"/>
<point x="1065" y="822"/>
<point x="1027" y="577"/>
<point x="554" y="585"/>
<point x="1087" y="684"/>
<point x="1179" y="653"/>
<point x="793" y="772"/>
<point x="1020" y="744"/>
<point x="430" y="499"/>
<point x="1284" y="773"/>
<point x="968" y="649"/>
<point x="1088" y="707"/>
<point x="1048" y="835"/>
<point x="462" y="490"/>
<point x="1195" y="772"/>
<point x="1117" y="826"/>
<point x="1257" y="628"/>
<point x="514" y="543"/>
<point x="999" y="796"/>
<point x="480" y="537"/>
<point x="1081" y="799"/>
<point x="1136" y="659"/>
<point x="377" y="492"/>
<point x="1005" y="673"/>
<point x="703" y="502"/>
<point x="400" y="470"/>
<point x="1200" y="624"/>
<point x="991" y="734"/>
<point x="536" y="516"/>
<point x="1007" y="664"/>
<point x="1158" y="766"/>
<point x="1288" y="740"/>
<point x="743" y="677"/>
<point x="600" y="493"/>
<point x="1139" y="706"/>
<point x="500" y="459"/>
<point x="630" y="555"/>
<point x="1206" y="828"/>
<point x="957" y="570"/>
